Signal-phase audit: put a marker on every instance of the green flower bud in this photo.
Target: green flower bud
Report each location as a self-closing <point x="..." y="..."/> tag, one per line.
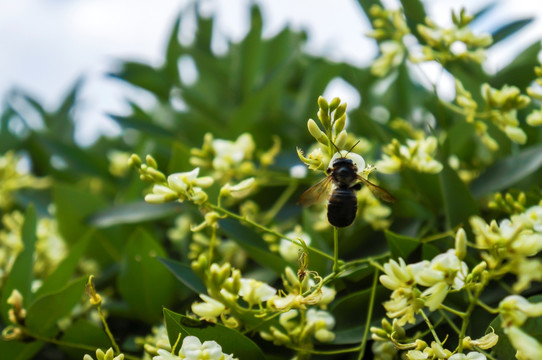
<point x="156" y="175"/>
<point x="461" y="244"/>
<point x="339" y="124"/>
<point x="516" y="134"/>
<point x="135" y="161"/>
<point x="322" y="103"/>
<point x="334" y="103"/>
<point x="151" y="162"/>
<point x="535" y="118"/>
<point x="341" y="110"/>
<point x="341" y="139"/>
<point x="324" y="119"/>
<point x="318" y="134"/>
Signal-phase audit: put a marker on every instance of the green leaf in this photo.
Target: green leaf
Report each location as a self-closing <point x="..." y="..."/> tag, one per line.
<point x="459" y="204"/>
<point x="508" y="171"/>
<point x="83" y="331"/>
<point x="21" y="274"/>
<point x="64" y="271"/>
<point x="232" y="341"/>
<point x="143" y="125"/>
<point x="15" y="350"/>
<point x="509" y="29"/>
<point x="414" y="13"/>
<point x="351" y="315"/>
<point x="185" y="274"/>
<point x="133" y="213"/>
<point x="48" y="309"/>
<point x="143" y="283"/>
<point x="401" y="246"/>
<point x="514" y="73"/>
<point x="73" y="206"/>
<point x="253" y="244"/>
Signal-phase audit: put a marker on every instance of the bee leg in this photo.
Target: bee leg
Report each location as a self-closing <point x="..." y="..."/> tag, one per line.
<point x="356" y="187"/>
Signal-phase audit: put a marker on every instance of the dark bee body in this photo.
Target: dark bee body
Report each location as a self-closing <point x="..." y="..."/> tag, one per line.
<point x="342" y="204"/>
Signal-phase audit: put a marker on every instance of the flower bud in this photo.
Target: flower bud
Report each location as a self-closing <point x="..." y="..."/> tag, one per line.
<point x="334" y="103"/>
<point x="341" y="110"/>
<point x="151" y="162"/>
<point x="339" y="124"/>
<point x="322" y="103"/>
<point x="315" y="131"/>
<point x="461" y="244"/>
<point x="535" y="118"/>
<point x="516" y="134"/>
<point x="135" y="161"/>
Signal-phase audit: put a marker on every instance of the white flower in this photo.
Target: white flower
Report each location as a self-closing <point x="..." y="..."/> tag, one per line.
<point x="528" y="348"/>
<point x="240" y="190"/>
<point x="515" y="310"/>
<point x="323" y="322"/>
<point x="473" y="355"/>
<point x="161" y="194"/>
<point x="255" y="292"/>
<point x="290" y="251"/>
<point x="209" y="309"/>
<point x="165" y="355"/>
<point x="396" y="275"/>
<point x="193" y="349"/>
<point x="229" y="153"/>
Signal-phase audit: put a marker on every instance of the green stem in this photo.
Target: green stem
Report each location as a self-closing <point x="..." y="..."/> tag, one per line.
<point x="108" y="332"/>
<point x="271" y="213"/>
<point x="369" y="316"/>
<point x="449" y="321"/>
<point x="212" y="244"/>
<point x="461" y="314"/>
<point x="473" y="301"/>
<point x="335" y="249"/>
<point x="431" y="327"/>
<point x="262" y="228"/>
<point x="71" y="344"/>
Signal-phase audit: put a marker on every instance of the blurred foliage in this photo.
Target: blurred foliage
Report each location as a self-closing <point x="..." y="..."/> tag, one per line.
<point x="264" y="87"/>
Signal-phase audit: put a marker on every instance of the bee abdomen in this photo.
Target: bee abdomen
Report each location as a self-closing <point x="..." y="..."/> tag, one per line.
<point x="342" y="207"/>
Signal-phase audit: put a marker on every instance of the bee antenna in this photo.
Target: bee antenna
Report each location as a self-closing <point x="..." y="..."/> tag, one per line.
<point x="338" y="150"/>
<point x="353" y="146"/>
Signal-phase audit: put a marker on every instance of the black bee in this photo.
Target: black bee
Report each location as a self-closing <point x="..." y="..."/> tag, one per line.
<point x="342" y="203"/>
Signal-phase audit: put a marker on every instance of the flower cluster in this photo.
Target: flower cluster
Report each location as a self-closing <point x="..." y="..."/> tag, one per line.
<point x="501" y="107"/>
<point x="193" y="349"/>
<point x="13" y="179"/>
<point x="301" y="305"/>
<point x="389" y="29"/>
<point x="455" y="43"/>
<point x="535" y="117"/>
<point x="50" y="248"/>
<point x="417" y="154"/>
<point x="511" y="245"/>
<point x="108" y="355"/>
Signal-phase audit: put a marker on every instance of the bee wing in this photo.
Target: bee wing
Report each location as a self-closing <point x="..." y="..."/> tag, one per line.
<point x="316" y="192"/>
<point x="377" y="190"/>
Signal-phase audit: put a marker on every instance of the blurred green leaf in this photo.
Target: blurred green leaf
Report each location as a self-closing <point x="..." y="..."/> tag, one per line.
<point x="133" y="213"/>
<point x="22" y="271"/>
<point x="43" y="314"/>
<point x="143" y="125"/>
<point x="73" y="206"/>
<point x="66" y="268"/>
<point x="15" y="350"/>
<point x="516" y="72"/>
<point x="508" y="171"/>
<point x="145" y="77"/>
<point x="509" y="29"/>
<point x="415" y="14"/>
<point x="83" y="331"/>
<point x="143" y="283"/>
<point x="232" y="341"/>
<point x="459" y="204"/>
<point x="401" y="246"/>
<point x="185" y="274"/>
<point x="252" y="243"/>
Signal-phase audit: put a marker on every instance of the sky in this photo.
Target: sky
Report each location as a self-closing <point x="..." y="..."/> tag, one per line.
<point x="48" y="44"/>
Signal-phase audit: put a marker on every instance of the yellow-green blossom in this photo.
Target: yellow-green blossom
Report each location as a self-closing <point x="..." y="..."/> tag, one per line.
<point x="416" y="154"/>
<point x="108" y="355"/>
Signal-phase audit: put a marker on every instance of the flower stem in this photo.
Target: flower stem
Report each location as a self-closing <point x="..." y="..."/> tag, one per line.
<point x="431" y="327"/>
<point x="262" y="228"/>
<point x="335" y="249"/>
<point x="369" y="316"/>
<point x="273" y="211"/>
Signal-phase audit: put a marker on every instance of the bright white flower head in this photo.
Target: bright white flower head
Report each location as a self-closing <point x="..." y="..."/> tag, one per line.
<point x="255" y="292"/>
<point x="323" y="322"/>
<point x="228" y="154"/>
<point x="473" y="355"/>
<point x="534" y="214"/>
<point x="397" y="275"/>
<point x="298" y="171"/>
<point x="515" y="310"/>
<point x="210" y="309"/>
